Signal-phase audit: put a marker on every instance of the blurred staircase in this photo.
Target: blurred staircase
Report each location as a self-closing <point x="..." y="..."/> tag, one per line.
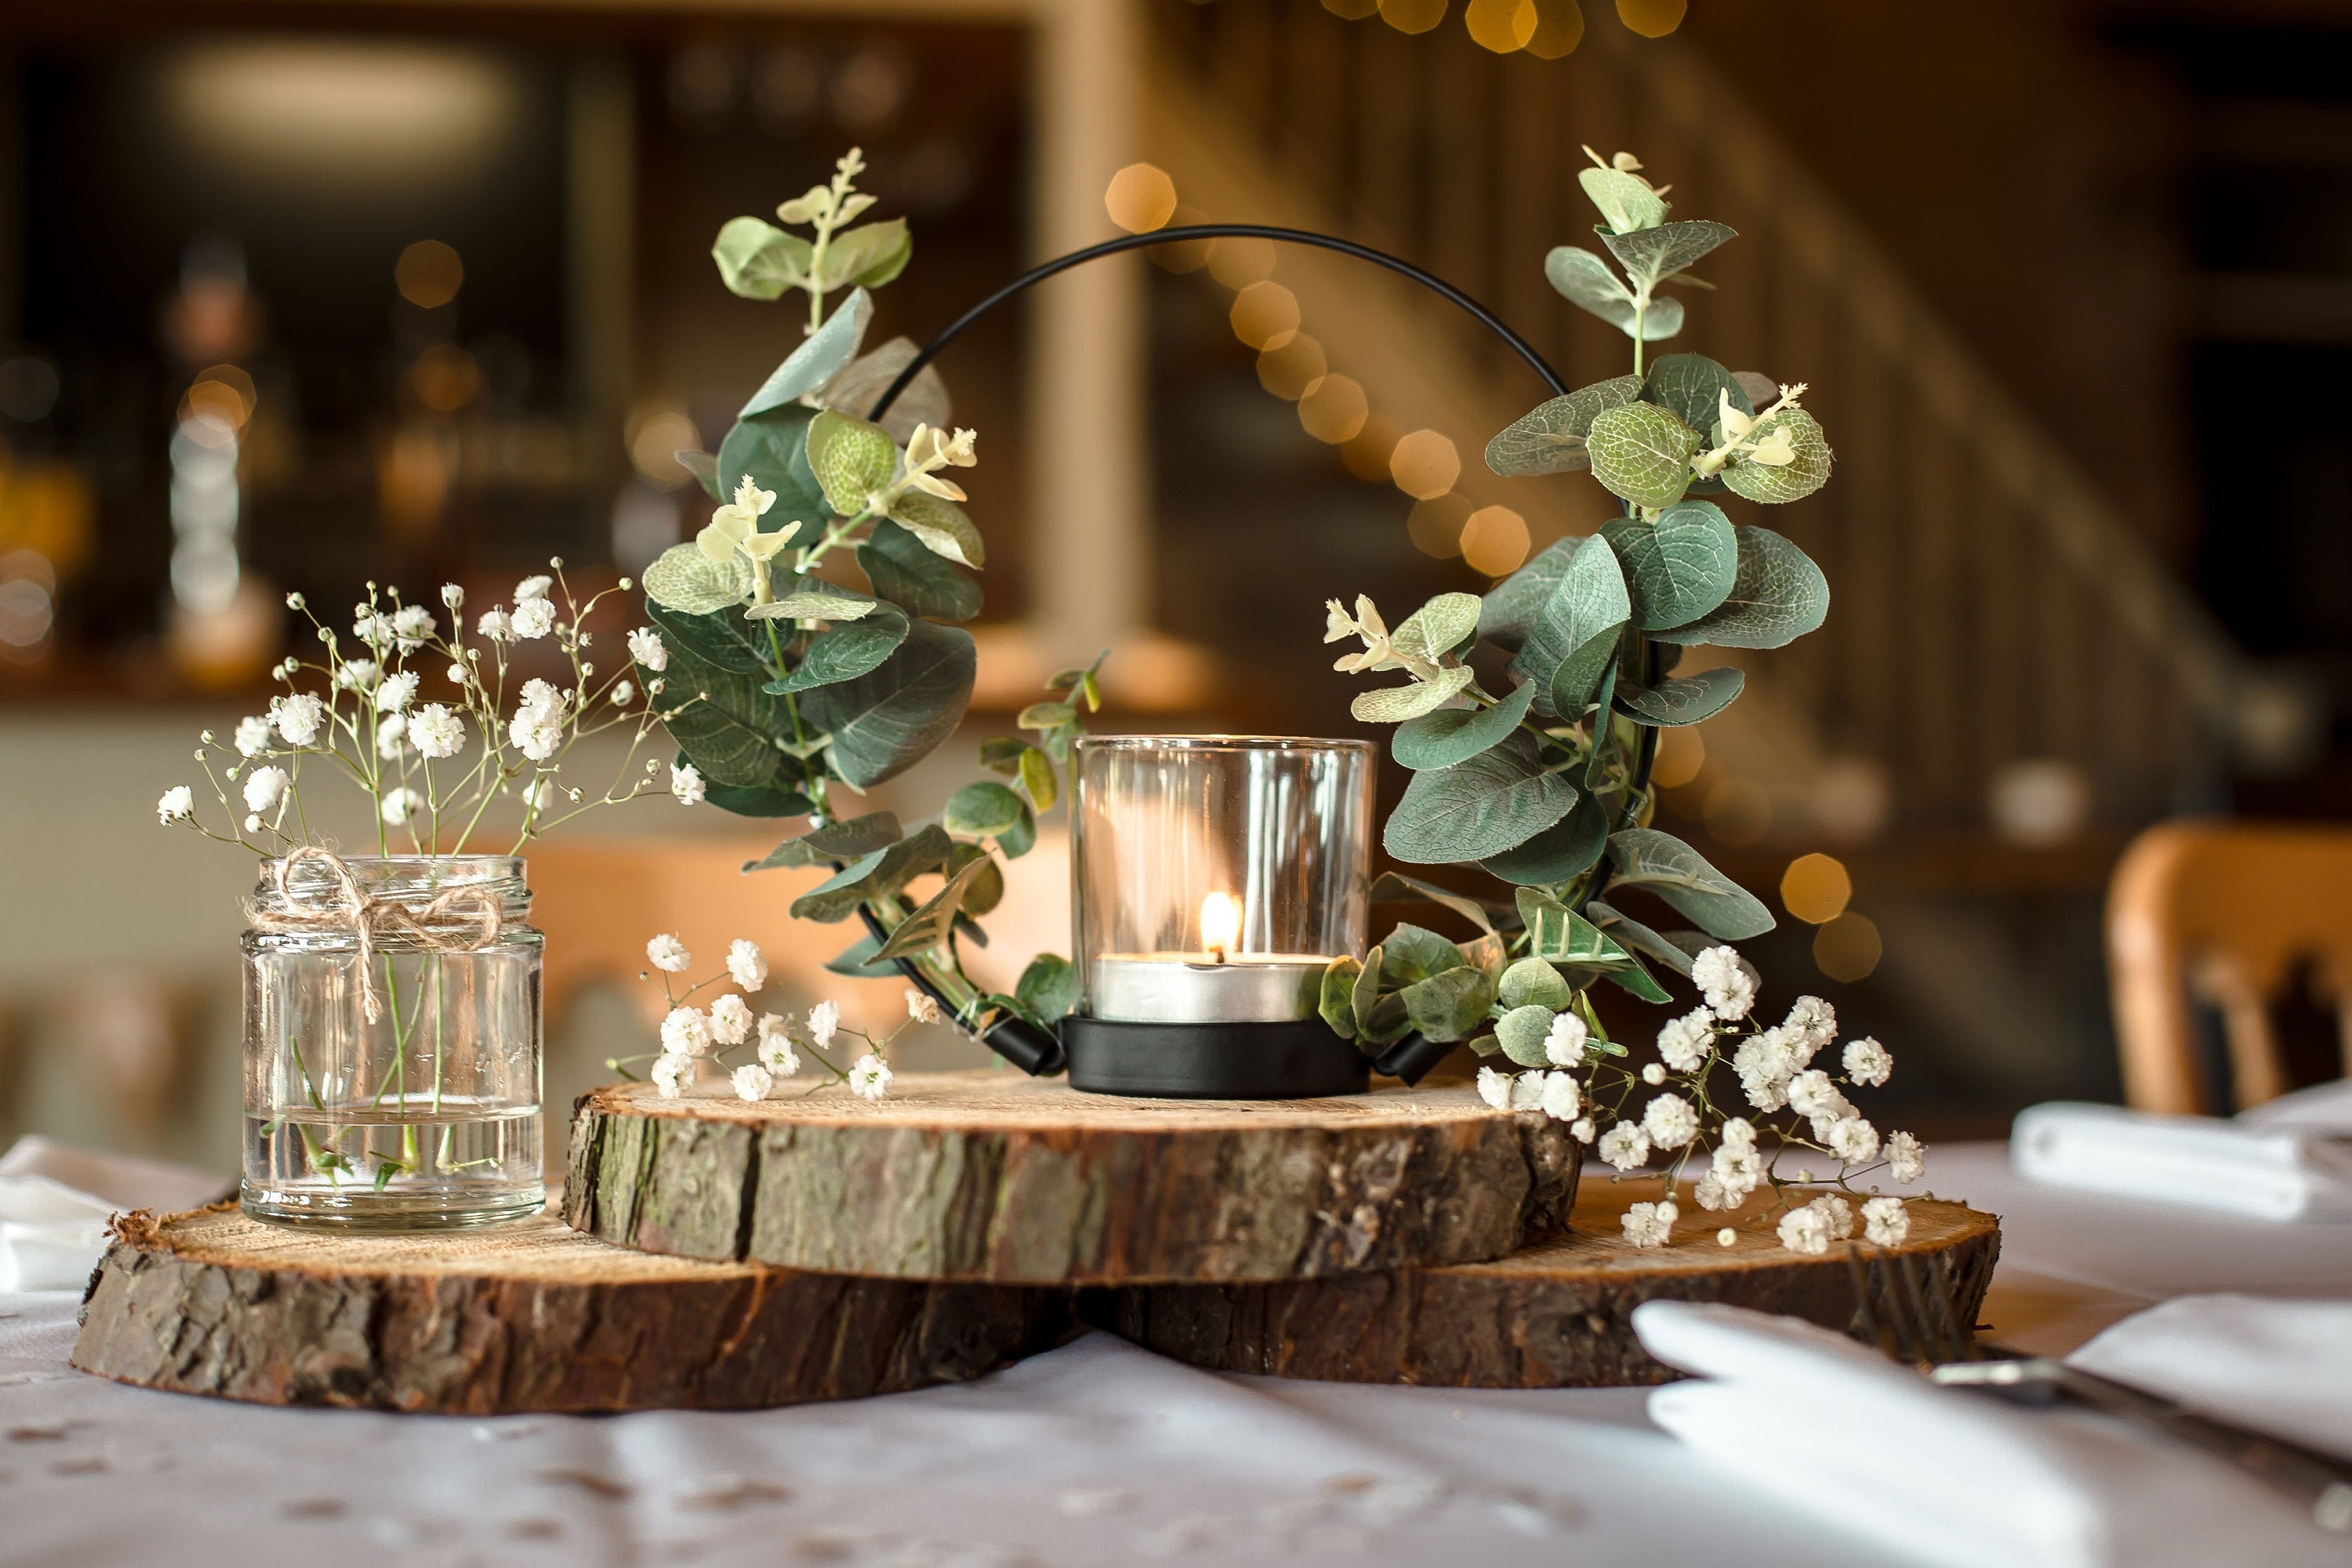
<point x="1992" y="609"/>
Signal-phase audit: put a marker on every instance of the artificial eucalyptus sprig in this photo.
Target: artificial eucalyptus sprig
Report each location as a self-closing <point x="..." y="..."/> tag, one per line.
<point x="791" y="691"/>
<point x="1541" y="778"/>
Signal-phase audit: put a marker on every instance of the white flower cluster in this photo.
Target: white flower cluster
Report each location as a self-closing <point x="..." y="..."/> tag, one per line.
<point x="692" y="1036"/>
<point x="1679" y="1124"/>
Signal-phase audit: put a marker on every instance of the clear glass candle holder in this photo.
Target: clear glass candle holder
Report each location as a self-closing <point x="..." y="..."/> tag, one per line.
<point x="1214" y="878"/>
<point x="425" y="1118"/>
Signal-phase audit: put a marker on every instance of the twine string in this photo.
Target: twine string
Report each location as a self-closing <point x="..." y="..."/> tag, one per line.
<point x="369" y="919"/>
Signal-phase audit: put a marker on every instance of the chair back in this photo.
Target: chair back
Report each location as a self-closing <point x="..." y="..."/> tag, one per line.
<point x="2225" y="913"/>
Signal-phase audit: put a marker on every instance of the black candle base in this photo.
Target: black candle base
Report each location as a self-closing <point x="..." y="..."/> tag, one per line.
<point x="1297" y="1060"/>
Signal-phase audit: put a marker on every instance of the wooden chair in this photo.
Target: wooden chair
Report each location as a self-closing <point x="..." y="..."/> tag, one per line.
<point x="2226" y="913"/>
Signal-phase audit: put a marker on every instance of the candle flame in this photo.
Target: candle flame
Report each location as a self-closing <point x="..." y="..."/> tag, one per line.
<point x="1221" y="924"/>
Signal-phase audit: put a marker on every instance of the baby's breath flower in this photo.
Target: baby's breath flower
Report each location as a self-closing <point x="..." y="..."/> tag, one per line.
<point x="391" y="737"/>
<point x="1836" y="1214"/>
<point x="533" y="587"/>
<point x="1907" y="1157"/>
<point x="1582" y="1129"/>
<point x="178" y="805"/>
<point x="496" y="625"/>
<point x="1494" y="1088"/>
<point x="438" y="731"/>
<point x="646" y="647"/>
<point x="541" y="795"/>
<point x="357" y="674"/>
<point x="920" y="1008"/>
<point x="747" y="963"/>
<point x="1738" y="1169"/>
<point x="299" y="718"/>
<point x="1725" y="981"/>
<point x="1654" y="1074"/>
<point x="412" y="624"/>
<point x="823" y="1020"/>
<point x="265" y="787"/>
<point x="252" y="736"/>
<point x="1739" y="1132"/>
<point x="776" y="1053"/>
<point x="686" y="1032"/>
<point x="396" y="691"/>
<point x="1886" y="1221"/>
<point x="1805" y="1230"/>
<point x="533" y="618"/>
<point x="752" y="1082"/>
<point x="1564" y="1041"/>
<point x="1648" y="1224"/>
<point x="622" y="693"/>
<point x="452" y="595"/>
<point x="1560" y="1096"/>
<point x="1624" y="1145"/>
<point x="537" y="728"/>
<point x="869" y="1077"/>
<point x="1527" y="1091"/>
<point x="1683" y="1042"/>
<point x="1868" y="1062"/>
<point x="1725" y="1236"/>
<point x="730" y="1020"/>
<point x="685" y="783"/>
<point x="1853" y="1140"/>
<point x="400" y="805"/>
<point x="373" y="629"/>
<point x="668" y="954"/>
<point x="1670" y="1120"/>
<point x="1811" y="1093"/>
<point x="1712" y="1193"/>
<point x="672" y="1072"/>
<point x="457" y="673"/>
<point x="1815" y="1019"/>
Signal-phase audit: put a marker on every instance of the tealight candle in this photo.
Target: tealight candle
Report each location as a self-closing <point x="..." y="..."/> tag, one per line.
<point x="1218" y="984"/>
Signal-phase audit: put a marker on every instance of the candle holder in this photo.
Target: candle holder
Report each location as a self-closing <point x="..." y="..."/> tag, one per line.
<point x="1213" y="879"/>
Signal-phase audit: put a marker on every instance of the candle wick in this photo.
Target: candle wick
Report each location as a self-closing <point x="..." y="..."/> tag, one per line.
<point x="1216" y="955"/>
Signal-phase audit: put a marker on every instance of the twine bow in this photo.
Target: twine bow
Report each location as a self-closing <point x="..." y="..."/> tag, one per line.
<point x="369" y="919"/>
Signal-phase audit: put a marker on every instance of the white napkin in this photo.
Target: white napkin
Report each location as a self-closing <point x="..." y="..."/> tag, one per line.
<point x="2274" y="1168"/>
<point x="55" y="1201"/>
<point x="1948" y="1477"/>
<point x="2278" y="1366"/>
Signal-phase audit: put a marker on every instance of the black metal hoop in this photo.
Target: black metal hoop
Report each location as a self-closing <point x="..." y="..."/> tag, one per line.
<point x="1039" y="1051"/>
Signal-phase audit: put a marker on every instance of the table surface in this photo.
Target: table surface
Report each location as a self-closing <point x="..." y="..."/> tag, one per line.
<point x="1094" y="1453"/>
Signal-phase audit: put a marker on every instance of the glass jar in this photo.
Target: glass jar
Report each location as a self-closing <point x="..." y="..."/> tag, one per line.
<point x="427" y="1116"/>
<point x="1214" y="878"/>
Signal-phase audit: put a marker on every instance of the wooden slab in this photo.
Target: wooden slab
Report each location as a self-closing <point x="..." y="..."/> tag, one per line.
<point x="531" y="1315"/>
<point x="1555" y="1315"/>
<point x="991" y="1176"/>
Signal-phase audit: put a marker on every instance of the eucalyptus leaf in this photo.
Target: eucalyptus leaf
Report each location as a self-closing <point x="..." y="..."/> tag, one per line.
<point x="884" y="722"/>
<point x="1395" y="704"/>
<point x="1450" y="1006"/>
<point x="1002" y="754"/>
<point x="1020" y="837"/>
<point x="1689" y="388"/>
<point x="1643" y="453"/>
<point x="1626" y="200"/>
<point x="1558" y="935"/>
<point x="1395" y="886"/>
<point x="929" y="925"/>
<point x="1589" y="599"/>
<point x="1451" y="735"/>
<point x="1634" y="978"/>
<point x="704" y="467"/>
<point x="1684" y="699"/>
<point x="1364" y="996"/>
<point x="943" y="526"/>
<point x="1582" y="674"/>
<point x="1438" y="628"/>
<point x="869" y="255"/>
<point x="1777" y="596"/>
<point x="1038" y="778"/>
<point x="770" y="450"/>
<point x="851" y="839"/>
<point x="1508" y="613"/>
<point x="1551" y="438"/>
<point x="864" y="379"/>
<point x="1561" y="852"/>
<point x="1048" y="988"/>
<point x="1337" y="1000"/>
<point x="1521" y="1032"/>
<point x="1586" y="281"/>
<point x="907" y="575"/>
<point x="774" y="798"/>
<point x="1604" y="736"/>
<point x="1679" y="567"/>
<point x="684" y="579"/>
<point x="820" y="357"/>
<point x="848" y="650"/>
<point x="1762" y="389"/>
<point x="982" y="810"/>
<point x="851" y="459"/>
<point x="1652" y="254"/>
<point x="1411" y="953"/>
<point x="1384" y="1023"/>
<point x="1533" y="982"/>
<point x="987" y="889"/>
<point x="721" y="720"/>
<point x="1496" y="801"/>
<point x="1634" y="935"/>
<point x="814" y="599"/>
<point x="858" y="962"/>
<point x="1776" y="486"/>
<point x="758" y="260"/>
<point x="721" y="637"/>
<point x="875" y="876"/>
<point x="1664" y="865"/>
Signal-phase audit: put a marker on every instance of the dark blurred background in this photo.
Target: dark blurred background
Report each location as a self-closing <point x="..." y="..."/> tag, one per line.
<point x="303" y="296"/>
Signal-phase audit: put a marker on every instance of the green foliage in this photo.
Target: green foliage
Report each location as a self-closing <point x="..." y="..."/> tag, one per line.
<point x="1521" y="1031"/>
<point x="853" y="838"/>
<point x="1533" y="982"/>
<point x="982" y="810"/>
<point x="1450" y="1006"/>
<point x="1451" y="735"/>
<point x="1641" y="453"/>
<point x="1496" y="801"/>
<point x="846" y="651"/>
<point x="1664" y="865"/>
<point x="1776" y="486"/>
<point x="1689" y="388"/>
<point x="1678" y="567"/>
<point x="941" y="526"/>
<point x="685" y="580"/>
<point x="1653" y="253"/>
<point x="1586" y="282"/>
<point x="1776" y="595"/>
<point x="876" y="876"/>
<point x="723" y="721"/>
<point x="903" y="571"/>
<point x="1551" y="438"/>
<point x="852" y="459"/>
<point x="774" y="798"/>
<point x="1561" y="852"/>
<point x="1395" y="886"/>
<point x="1336" y="1003"/>
<point x="1048" y="988"/>
<point x="759" y="260"/>
<point x="1636" y="937"/>
<point x="821" y="356"/>
<point x="770" y="450"/>
<point x="1510" y="611"/>
<point x="1395" y="704"/>
<point x="883" y="724"/>
<point x="1625" y="199"/>
<point x="868" y="256"/>
<point x="1588" y="602"/>
<point x="721" y="637"/>
<point x="1685" y="700"/>
<point x="931" y="924"/>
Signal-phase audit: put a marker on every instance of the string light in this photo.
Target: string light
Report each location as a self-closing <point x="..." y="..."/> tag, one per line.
<point x="1494" y="541"/>
<point x="1501" y="25"/>
<point x="1816" y="888"/>
<point x="1425" y="464"/>
<point x="1140" y="198"/>
<point x="1559" y="28"/>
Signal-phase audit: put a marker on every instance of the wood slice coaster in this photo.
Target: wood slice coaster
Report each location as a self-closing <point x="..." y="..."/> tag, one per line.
<point x="529" y="1316"/>
<point x="988" y="1176"/>
<point x="1556" y="1315"/>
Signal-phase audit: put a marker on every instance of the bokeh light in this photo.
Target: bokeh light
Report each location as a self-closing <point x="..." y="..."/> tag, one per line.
<point x="1559" y="28"/>
<point x="1494" y="541"/>
<point x="1738" y="812"/>
<point x="1502" y="25"/>
<point x="444" y="378"/>
<point x="1682" y="754"/>
<point x="1238" y="263"/>
<point x="1293" y="370"/>
<point x="1140" y="198"/>
<point x="655" y="438"/>
<point x="1413" y="16"/>
<point x="1848" y="948"/>
<point x="1652" y="19"/>
<point x="1335" y="410"/>
<point x="1425" y="464"/>
<point x="1436" y="524"/>
<point x="1816" y="888"/>
<point x="429" y="274"/>
<point x="1368" y="451"/>
<point x="1265" y="315"/>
